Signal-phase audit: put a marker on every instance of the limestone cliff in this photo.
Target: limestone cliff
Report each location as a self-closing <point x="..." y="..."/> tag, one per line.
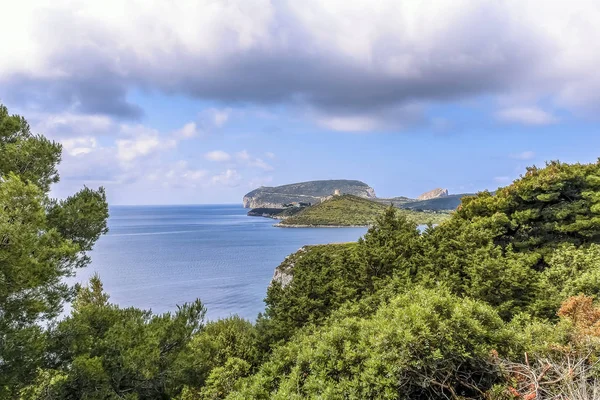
<point x="433" y="194"/>
<point x="283" y="273"/>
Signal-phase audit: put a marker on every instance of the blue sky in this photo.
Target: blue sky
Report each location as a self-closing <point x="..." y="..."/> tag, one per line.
<point x="202" y="101"/>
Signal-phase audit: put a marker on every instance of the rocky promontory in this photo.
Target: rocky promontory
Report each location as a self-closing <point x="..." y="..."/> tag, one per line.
<point x="304" y="193"/>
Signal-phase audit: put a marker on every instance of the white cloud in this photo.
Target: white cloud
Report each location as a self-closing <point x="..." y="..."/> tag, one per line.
<point x="138" y="160"/>
<point x="525" y="155"/>
<point x="144" y="141"/>
<point x="68" y="124"/>
<point x="246" y="159"/>
<point x="261" y="164"/>
<point x="349" y="124"/>
<point x="270" y="155"/>
<point x="79" y="145"/>
<point x="371" y="119"/>
<point x="188" y="131"/>
<point x="242" y="155"/>
<point x="217" y="155"/>
<point x="130" y="149"/>
<point x="526" y="115"/>
<point x="179" y="175"/>
<point x="220" y="117"/>
<point x="195" y="174"/>
<point x="228" y="178"/>
<point x="260" y="181"/>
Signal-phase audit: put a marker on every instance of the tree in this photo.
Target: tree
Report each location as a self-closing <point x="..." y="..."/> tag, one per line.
<point x="546" y="207"/>
<point x="226" y="339"/>
<point x="390" y="247"/>
<point x="323" y="278"/>
<point x="106" y="352"/>
<point x="571" y="271"/>
<point x="33" y="158"/>
<point x="42" y="241"/>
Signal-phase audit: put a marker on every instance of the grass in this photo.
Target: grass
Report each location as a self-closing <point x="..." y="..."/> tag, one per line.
<point x="349" y="210"/>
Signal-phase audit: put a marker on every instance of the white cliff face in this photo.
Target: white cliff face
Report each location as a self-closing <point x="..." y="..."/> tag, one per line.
<point x="284" y="278"/>
<point x="284" y="272"/>
<point x="247" y="202"/>
<point x="433" y="194"/>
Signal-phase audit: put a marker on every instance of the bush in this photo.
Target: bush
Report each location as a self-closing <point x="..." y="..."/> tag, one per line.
<point x="423" y="344"/>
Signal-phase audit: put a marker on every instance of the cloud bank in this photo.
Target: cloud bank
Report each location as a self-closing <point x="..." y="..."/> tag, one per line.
<point x="354" y="65"/>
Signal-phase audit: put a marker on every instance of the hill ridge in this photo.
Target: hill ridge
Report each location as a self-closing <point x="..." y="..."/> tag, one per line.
<point x="308" y="192"/>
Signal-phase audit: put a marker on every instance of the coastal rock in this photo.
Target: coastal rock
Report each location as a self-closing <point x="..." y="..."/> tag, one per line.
<point x="284" y="272"/>
<point x="433" y="194"/>
<point x="249" y="202"/>
<point x="283" y="277"/>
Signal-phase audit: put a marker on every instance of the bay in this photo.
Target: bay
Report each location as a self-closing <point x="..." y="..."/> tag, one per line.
<point x="158" y="257"/>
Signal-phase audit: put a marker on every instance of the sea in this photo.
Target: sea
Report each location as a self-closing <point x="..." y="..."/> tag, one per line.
<point x="158" y="257"/>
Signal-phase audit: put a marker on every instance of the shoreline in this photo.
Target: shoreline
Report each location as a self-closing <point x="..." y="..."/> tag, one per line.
<point x="280" y="225"/>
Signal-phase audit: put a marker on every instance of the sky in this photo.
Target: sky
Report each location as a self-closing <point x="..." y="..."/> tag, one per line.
<point x="192" y="102"/>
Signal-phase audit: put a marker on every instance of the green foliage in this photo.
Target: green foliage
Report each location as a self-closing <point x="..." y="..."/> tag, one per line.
<point x="277" y="213"/>
<point x="422" y="344"/>
<point x="80" y="218"/>
<point x="466" y="260"/>
<point x="221" y="381"/>
<point x="389" y="248"/>
<point x="324" y="277"/>
<point x="349" y="210"/>
<point x="571" y="270"/>
<point x="103" y="351"/>
<point x="546" y="207"/>
<point x="218" y="342"/>
<point x="41" y="242"/>
<point x="33" y="158"/>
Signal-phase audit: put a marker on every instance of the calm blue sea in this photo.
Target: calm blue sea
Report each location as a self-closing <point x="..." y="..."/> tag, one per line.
<point x="156" y="257"/>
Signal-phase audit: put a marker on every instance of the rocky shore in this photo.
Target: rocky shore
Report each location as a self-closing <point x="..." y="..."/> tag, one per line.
<point x="280" y="225"/>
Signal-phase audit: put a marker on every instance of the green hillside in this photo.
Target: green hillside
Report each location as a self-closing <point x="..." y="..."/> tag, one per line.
<point x="349" y="210"/>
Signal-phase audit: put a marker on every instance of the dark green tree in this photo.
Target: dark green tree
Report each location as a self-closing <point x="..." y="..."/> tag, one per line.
<point x="223" y="345"/>
<point x="42" y="241"/>
<point x="102" y="351"/>
<point x="544" y="208"/>
<point x="31" y="157"/>
<point x="391" y="247"/>
<point x="323" y="278"/>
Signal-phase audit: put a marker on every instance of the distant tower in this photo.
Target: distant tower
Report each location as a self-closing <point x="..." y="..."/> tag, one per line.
<point x="336" y="192"/>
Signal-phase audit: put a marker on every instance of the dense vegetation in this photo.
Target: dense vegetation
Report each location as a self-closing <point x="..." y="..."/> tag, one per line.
<point x="349" y="210"/>
<point x="495" y="303"/>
